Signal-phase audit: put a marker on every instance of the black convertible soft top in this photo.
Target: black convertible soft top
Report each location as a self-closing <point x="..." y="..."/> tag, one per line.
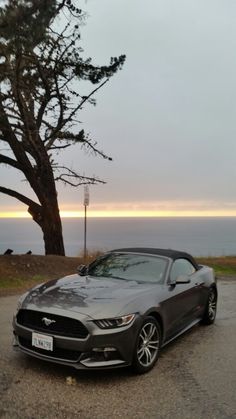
<point x="170" y="253"/>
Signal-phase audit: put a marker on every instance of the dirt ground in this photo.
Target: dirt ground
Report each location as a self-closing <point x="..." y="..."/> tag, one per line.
<point x="18" y="272"/>
<point x="28" y="265"/>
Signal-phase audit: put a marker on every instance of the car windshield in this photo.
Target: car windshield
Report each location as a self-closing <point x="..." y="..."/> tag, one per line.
<point x="130" y="267"/>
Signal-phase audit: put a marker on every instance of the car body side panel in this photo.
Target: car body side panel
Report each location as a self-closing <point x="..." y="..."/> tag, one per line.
<point x="175" y="318"/>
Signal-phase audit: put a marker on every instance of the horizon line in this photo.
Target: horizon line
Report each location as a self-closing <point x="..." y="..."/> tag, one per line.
<point x="127" y="214"/>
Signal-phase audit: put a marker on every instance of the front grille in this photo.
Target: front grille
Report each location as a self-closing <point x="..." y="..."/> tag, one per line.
<point x="62" y="326"/>
<point x="61" y="353"/>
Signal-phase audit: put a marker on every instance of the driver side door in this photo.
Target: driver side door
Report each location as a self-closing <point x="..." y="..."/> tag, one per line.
<point x="183" y="299"/>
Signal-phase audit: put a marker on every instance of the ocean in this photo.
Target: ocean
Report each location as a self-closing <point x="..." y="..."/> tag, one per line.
<point x="200" y="236"/>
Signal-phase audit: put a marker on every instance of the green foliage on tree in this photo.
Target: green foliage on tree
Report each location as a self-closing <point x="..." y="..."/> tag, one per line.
<point x="40" y="100"/>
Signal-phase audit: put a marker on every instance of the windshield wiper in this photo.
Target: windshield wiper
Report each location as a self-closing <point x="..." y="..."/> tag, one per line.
<point x="107" y="276"/>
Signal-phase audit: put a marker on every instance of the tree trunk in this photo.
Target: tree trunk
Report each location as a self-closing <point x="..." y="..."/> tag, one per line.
<point x="47" y="215"/>
<point x="52" y="235"/>
<point x="52" y="232"/>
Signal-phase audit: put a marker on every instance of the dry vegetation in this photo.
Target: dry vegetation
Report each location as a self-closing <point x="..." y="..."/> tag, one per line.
<point x="223" y="265"/>
<point x="20" y="272"/>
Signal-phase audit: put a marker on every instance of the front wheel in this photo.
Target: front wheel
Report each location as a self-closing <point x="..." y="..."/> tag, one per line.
<point x="147" y="346"/>
<point x="210" y="311"/>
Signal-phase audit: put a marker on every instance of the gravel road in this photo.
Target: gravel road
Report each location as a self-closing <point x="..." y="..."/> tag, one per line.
<point x="195" y="377"/>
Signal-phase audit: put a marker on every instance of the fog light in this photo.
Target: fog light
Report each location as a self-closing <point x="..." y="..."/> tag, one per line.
<point x="106" y="354"/>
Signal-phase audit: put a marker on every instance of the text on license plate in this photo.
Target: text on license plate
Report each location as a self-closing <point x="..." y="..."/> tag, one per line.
<point x="42" y="341"/>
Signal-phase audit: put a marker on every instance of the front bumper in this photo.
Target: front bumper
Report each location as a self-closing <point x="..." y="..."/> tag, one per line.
<point x="108" y="348"/>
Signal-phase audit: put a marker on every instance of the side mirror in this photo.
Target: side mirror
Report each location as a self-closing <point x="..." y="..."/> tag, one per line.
<point x="82" y="270"/>
<point x="182" y="279"/>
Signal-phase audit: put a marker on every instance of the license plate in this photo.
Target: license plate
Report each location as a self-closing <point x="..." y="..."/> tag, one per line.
<point x="42" y="341"/>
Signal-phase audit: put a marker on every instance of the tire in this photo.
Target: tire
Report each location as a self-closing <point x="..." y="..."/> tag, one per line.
<point x="210" y="310"/>
<point x="147" y="346"/>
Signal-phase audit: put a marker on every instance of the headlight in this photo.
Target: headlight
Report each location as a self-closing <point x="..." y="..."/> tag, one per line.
<point x="115" y="322"/>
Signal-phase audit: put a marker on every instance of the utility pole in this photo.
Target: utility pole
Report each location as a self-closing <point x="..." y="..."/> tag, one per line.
<point x="86" y="203"/>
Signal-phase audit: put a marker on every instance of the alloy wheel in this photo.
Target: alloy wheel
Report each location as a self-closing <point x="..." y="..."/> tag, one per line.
<point x="212" y="305"/>
<point x="148" y="344"/>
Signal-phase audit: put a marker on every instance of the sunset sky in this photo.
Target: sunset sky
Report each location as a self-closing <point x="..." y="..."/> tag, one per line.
<point x="167" y="119"/>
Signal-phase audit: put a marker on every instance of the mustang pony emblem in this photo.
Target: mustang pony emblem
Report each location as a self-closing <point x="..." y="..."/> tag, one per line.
<point x="48" y="321"/>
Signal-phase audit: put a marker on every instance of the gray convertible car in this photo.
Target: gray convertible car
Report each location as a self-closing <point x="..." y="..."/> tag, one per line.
<point x="118" y="311"/>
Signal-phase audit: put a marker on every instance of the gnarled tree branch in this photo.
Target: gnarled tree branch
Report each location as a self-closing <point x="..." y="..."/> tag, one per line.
<point x="11" y="162"/>
<point x="72" y="178"/>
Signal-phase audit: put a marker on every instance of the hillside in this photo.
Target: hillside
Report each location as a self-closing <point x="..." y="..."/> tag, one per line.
<point x="19" y="272"/>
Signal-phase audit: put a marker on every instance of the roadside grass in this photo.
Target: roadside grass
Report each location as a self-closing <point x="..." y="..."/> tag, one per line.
<point x="223" y="265"/>
<point x="21" y="272"/>
<point x="20" y="282"/>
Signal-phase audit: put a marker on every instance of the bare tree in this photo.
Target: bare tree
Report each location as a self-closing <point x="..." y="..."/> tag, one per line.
<point x="40" y="99"/>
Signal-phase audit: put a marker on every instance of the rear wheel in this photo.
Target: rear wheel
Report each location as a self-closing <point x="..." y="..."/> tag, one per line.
<point x="210" y="311"/>
<point x="147" y="346"/>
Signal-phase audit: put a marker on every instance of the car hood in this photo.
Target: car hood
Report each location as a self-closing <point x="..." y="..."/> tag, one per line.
<point x="86" y="295"/>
